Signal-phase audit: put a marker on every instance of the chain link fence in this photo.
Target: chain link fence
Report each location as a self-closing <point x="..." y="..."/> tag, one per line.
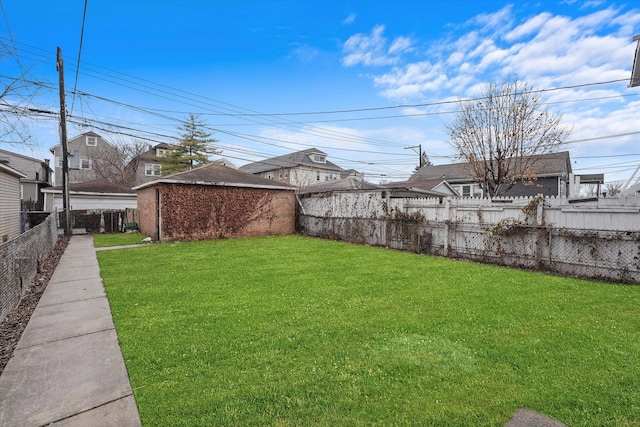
<point x="593" y="254"/>
<point x="20" y="259"/>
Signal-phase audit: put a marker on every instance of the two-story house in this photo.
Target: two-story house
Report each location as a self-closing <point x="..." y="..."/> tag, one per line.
<point x="299" y="169"/>
<point x="37" y="175"/>
<point x="91" y="157"/>
<point x="146" y="167"/>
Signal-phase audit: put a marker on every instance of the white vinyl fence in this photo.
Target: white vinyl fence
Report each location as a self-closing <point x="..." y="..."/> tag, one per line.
<point x="597" y="239"/>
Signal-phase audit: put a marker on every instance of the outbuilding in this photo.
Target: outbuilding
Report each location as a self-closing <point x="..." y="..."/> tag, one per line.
<point x="214" y="201"/>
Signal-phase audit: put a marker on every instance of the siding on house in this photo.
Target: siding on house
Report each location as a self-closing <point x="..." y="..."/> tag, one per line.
<point x="86" y="159"/>
<point x="37" y="176"/>
<point x="9" y="203"/>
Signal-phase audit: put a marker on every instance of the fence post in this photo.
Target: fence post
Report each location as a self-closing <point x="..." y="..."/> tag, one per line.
<point x="540" y="234"/>
<point x="447" y="215"/>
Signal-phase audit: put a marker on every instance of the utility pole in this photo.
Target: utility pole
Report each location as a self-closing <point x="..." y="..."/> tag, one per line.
<point x="419" y="147"/>
<point x="63" y="143"/>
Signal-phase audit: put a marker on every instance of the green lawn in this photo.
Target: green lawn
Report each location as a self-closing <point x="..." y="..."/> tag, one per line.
<point x="116" y="239"/>
<point x="294" y="331"/>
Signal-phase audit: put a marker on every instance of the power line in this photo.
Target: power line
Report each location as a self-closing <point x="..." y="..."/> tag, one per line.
<point x="75" y="83"/>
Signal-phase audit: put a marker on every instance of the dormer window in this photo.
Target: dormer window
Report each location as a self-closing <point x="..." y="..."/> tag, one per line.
<point x="92" y="141"/>
<point x="319" y="158"/>
<point x="161" y="151"/>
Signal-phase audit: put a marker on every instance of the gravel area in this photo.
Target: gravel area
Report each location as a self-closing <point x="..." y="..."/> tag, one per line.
<point x="13" y="325"/>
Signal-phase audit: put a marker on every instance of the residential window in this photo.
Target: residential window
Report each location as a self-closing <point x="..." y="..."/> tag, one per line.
<point x="161" y="151"/>
<point x="92" y="141"/>
<point x="58" y="162"/>
<point x="317" y="176"/>
<point x="85" y="163"/>
<point x="268" y="175"/>
<point x="319" y="158"/>
<point x="152" y="169"/>
<point x="281" y="175"/>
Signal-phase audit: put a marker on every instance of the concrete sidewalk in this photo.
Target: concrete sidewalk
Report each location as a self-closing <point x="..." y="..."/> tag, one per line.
<point x="67" y="369"/>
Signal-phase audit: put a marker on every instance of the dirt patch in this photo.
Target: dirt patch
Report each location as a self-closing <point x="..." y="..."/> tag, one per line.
<point x="13" y="325"/>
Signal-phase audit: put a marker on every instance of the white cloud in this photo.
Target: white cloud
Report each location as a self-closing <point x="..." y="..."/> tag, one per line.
<point x="349" y="19"/>
<point x="371" y="49"/>
<point x="542" y="48"/>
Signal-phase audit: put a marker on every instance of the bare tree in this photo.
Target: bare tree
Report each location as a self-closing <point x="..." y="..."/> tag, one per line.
<point x="614" y="188"/>
<point x="500" y="135"/>
<point x="115" y="164"/>
<point x="16" y="97"/>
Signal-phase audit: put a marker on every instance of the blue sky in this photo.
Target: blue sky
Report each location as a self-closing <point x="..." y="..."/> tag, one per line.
<point x="360" y="80"/>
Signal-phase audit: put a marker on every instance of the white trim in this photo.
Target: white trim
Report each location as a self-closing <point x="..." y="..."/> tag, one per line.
<point x="88" y="193"/>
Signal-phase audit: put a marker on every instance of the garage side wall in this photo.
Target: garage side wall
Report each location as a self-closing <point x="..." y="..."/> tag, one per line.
<point x="147" y="208"/>
<point x="198" y="212"/>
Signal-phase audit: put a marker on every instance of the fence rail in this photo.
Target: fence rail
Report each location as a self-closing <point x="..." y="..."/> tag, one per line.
<point x="20" y="259"/>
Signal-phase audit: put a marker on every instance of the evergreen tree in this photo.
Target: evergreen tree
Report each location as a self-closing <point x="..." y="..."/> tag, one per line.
<point x="193" y="148"/>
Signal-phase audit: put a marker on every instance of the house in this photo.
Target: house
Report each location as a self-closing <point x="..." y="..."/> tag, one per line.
<point x="214" y="201"/>
<point x="299" y="169"/>
<point x="552" y="176"/>
<point x="38" y="175"/>
<point x="9" y="202"/>
<point x="90" y="157"/>
<point x="146" y="167"/>
<point x="91" y="195"/>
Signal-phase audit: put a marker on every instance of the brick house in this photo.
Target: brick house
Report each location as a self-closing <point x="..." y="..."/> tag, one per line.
<point x="214" y="201"/>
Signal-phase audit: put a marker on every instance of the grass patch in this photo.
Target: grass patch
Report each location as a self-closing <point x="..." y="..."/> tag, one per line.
<point x="116" y="239"/>
<point x="294" y="331"/>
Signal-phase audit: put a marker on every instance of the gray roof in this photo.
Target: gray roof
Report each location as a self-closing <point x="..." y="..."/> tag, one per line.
<point x="553" y="164"/>
<point x="299" y="158"/>
<point x="339" y="185"/>
<point x="217" y="174"/>
<point x="94" y="186"/>
<point x="11" y="171"/>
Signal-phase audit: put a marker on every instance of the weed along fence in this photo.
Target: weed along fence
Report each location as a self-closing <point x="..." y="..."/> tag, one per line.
<point x="20" y="259"/>
<point x="599" y="240"/>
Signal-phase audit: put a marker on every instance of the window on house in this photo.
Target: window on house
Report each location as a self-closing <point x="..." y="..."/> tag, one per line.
<point x="281" y="175"/>
<point x="319" y="158"/>
<point x="317" y="176"/>
<point x="85" y="163"/>
<point x="161" y="151"/>
<point x="58" y="162"/>
<point x="465" y="190"/>
<point x="152" y="169"/>
<point x="92" y="141"/>
<point x="268" y="175"/>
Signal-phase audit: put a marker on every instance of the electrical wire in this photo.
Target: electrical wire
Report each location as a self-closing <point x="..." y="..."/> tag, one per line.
<point x="75" y="83"/>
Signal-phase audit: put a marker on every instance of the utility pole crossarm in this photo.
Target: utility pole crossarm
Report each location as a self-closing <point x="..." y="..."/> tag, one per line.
<point x="419" y="147"/>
